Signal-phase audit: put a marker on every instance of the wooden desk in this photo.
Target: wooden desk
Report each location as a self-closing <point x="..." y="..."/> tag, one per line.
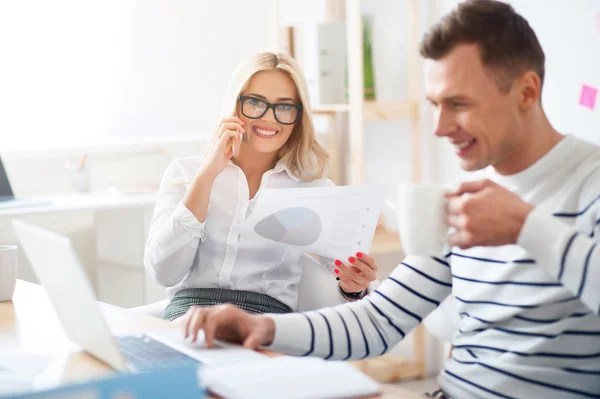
<point x="29" y="325"/>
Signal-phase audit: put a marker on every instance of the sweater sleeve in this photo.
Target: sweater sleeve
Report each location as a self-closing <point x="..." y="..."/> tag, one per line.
<point x="373" y="325"/>
<point x="569" y="255"/>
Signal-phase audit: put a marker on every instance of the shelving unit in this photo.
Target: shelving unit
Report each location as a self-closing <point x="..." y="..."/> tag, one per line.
<point x="385" y="242"/>
<point x="358" y="111"/>
<point x="330" y="108"/>
<point x="377" y="110"/>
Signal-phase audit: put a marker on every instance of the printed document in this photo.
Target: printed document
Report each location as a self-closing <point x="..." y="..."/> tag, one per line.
<point x="335" y="222"/>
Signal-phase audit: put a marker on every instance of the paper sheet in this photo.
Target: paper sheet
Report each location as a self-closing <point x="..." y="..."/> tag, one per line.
<point x="289" y="377"/>
<point x="18" y="371"/>
<point x="335" y="222"/>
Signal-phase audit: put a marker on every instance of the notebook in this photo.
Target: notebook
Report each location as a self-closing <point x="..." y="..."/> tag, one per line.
<point x="179" y="382"/>
<point x="288" y="378"/>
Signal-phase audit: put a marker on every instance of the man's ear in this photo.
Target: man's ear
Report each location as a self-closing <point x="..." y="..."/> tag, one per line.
<point x="530" y="90"/>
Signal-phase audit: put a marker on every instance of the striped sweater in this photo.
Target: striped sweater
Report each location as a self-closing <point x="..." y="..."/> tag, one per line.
<point x="530" y="325"/>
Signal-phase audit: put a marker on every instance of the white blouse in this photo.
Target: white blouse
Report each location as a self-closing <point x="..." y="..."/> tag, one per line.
<point x="183" y="253"/>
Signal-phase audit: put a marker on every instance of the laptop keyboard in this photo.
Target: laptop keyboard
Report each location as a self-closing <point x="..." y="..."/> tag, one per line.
<point x="146" y="353"/>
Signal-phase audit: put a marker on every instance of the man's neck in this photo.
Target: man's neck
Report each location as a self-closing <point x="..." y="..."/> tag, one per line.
<point x="536" y="140"/>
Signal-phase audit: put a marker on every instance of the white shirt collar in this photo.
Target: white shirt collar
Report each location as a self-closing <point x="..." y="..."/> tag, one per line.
<point x="279" y="167"/>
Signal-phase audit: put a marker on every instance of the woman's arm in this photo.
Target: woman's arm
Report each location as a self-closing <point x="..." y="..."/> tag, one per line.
<point x="179" y="215"/>
<point x="178" y="225"/>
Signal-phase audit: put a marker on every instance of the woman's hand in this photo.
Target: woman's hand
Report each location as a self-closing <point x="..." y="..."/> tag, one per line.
<point x="357" y="274"/>
<point x="225" y="142"/>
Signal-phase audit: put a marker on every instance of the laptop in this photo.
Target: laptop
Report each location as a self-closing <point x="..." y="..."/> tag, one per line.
<point x="59" y="271"/>
<point x="7" y="197"/>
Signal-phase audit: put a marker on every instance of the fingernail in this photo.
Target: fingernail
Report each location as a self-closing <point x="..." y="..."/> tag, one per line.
<point x="359" y="254"/>
<point x="337" y="278"/>
<point x="351" y="259"/>
<point x="337" y="271"/>
<point x="338" y="263"/>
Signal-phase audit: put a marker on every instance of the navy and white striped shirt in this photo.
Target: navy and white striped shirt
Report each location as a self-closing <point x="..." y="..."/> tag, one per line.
<point x="530" y="325"/>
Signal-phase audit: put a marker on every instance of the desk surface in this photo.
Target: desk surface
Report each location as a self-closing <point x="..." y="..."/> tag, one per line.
<point x="29" y="325"/>
<point x="81" y="202"/>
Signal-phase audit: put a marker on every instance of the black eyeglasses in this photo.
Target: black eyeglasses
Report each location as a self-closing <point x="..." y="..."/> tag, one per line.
<point x="255" y="108"/>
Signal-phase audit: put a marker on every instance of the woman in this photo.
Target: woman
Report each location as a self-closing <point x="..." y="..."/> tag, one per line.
<point x="267" y="140"/>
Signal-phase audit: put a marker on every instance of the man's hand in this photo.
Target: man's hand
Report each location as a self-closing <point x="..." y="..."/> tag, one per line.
<point x="485" y="214"/>
<point x="228" y="323"/>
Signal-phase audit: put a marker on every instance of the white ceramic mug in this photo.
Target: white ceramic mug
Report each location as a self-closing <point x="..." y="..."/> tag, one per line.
<point x="9" y="255"/>
<point x="421" y="213"/>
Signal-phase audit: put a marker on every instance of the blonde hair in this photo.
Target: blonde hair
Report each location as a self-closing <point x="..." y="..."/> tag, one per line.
<point x="302" y="153"/>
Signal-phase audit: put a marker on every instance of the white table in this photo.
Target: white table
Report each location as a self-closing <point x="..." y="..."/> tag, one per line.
<point x="109" y="230"/>
<point x="108" y="200"/>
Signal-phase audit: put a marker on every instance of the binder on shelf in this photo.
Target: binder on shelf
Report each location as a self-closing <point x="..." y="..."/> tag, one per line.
<point x="320" y="49"/>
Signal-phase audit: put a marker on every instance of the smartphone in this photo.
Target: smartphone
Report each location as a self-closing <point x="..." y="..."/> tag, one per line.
<point x="237" y="144"/>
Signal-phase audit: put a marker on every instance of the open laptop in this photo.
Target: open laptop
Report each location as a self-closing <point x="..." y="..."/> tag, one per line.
<point x="7" y="197"/>
<point x="59" y="271"/>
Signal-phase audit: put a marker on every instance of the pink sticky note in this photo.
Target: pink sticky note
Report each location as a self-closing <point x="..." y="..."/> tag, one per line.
<point x="588" y="96"/>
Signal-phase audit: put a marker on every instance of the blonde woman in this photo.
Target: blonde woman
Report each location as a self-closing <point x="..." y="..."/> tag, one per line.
<point x="265" y="139"/>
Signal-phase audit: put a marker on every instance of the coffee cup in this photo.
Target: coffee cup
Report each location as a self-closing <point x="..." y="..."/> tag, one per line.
<point x="421" y="218"/>
<point x="9" y="255"/>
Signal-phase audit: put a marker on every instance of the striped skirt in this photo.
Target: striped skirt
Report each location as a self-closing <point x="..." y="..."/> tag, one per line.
<point x="251" y="302"/>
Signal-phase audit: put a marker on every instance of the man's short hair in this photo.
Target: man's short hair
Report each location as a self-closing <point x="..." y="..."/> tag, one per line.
<point x="507" y="44"/>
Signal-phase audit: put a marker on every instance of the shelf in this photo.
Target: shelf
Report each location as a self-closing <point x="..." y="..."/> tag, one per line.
<point x="330" y="108"/>
<point x="385" y="242"/>
<point x="375" y="110"/>
<point x="378" y="110"/>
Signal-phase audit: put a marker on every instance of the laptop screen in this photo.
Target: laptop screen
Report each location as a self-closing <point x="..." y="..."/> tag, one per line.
<point x="5" y="189"/>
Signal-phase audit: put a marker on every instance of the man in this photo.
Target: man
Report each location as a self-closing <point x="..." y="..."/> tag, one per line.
<point x="524" y="265"/>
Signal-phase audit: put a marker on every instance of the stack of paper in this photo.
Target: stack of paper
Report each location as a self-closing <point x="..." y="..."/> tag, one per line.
<point x="18" y="371"/>
<point x="288" y="378"/>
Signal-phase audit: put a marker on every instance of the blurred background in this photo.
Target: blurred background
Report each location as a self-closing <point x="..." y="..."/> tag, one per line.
<point x="96" y="97"/>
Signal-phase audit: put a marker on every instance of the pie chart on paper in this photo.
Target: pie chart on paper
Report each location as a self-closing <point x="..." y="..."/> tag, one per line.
<point x="293" y="226"/>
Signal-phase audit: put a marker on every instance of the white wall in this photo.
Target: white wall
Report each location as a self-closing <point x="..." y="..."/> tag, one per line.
<point x="124" y="165"/>
<point x="570" y="37"/>
<point x="571" y="40"/>
<point x="83" y="70"/>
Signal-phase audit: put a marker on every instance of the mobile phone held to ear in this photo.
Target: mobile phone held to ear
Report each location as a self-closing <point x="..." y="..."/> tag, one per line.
<point x="237" y="144"/>
<point x="234" y="145"/>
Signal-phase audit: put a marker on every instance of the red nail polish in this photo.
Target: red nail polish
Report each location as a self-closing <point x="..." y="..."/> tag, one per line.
<point x="359" y="255"/>
<point x="337" y="271"/>
<point x="351" y="259"/>
<point x="338" y="263"/>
